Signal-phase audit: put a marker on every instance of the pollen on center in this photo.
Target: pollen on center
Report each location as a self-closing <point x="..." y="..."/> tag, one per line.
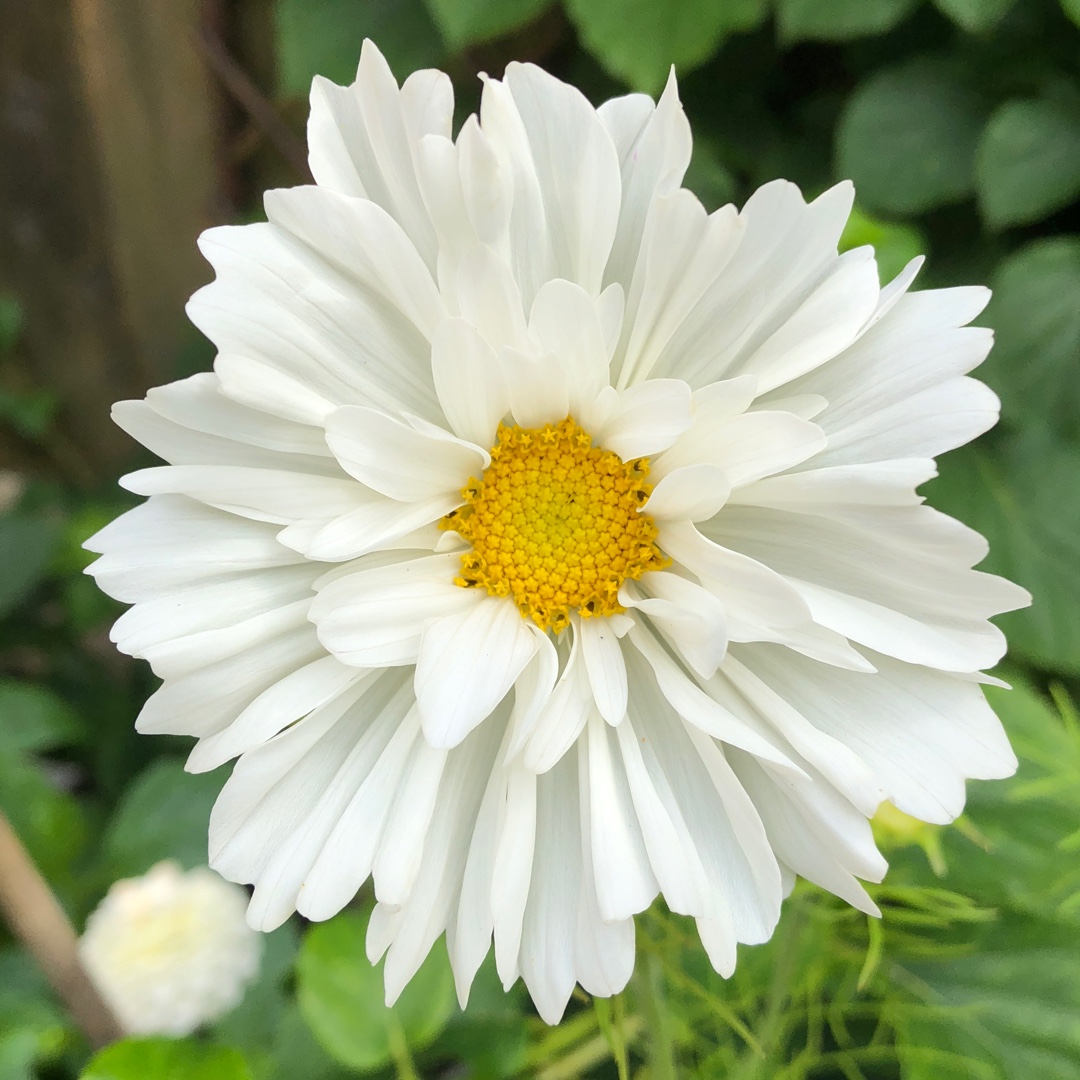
<point x="556" y="523"/>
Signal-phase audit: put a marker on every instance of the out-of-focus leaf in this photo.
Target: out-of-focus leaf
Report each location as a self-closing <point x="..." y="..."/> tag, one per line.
<point x="975" y="16"/>
<point x="708" y="177"/>
<point x="1035" y="362"/>
<point x="323" y="37"/>
<point x="465" y="22"/>
<point x="1012" y="1005"/>
<point x="638" y="40"/>
<point x="1028" y="162"/>
<point x="26" y="546"/>
<point x="10" y="322"/>
<point x="895" y="244"/>
<point x="1013" y="851"/>
<point x="490" y="1036"/>
<point x="839" y="20"/>
<point x="1072" y="9"/>
<point x="907" y="137"/>
<point x="32" y="1027"/>
<point x="48" y="820"/>
<point x="166" y="1059"/>
<point x="33" y="718"/>
<point x="30" y="413"/>
<point x="1025" y="499"/>
<point x="341" y="996"/>
<point x="163" y="815"/>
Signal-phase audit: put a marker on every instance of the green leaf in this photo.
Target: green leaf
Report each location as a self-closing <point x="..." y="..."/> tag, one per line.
<point x="166" y="1059"/>
<point x="895" y="244"/>
<point x="34" y="718"/>
<point x="907" y="138"/>
<point x="1072" y="9"/>
<point x="1016" y="1006"/>
<point x="26" y="546"/>
<point x="465" y="22"/>
<point x="163" y="815"/>
<point x="839" y="20"/>
<point x="638" y="40"/>
<point x="708" y="177"/>
<point x="11" y="321"/>
<point x="323" y="37"/>
<point x="975" y="16"/>
<point x="1025" y="499"/>
<point x="1028" y="162"/>
<point x="1035" y="362"/>
<point x="341" y="996"/>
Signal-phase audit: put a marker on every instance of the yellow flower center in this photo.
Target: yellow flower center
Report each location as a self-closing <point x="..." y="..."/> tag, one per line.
<point x="556" y="523"/>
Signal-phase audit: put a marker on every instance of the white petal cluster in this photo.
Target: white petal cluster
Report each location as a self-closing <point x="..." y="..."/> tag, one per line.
<point x="170" y="950"/>
<point x="812" y="646"/>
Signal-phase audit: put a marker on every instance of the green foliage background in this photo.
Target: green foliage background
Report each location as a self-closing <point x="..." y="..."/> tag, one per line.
<point x="959" y="121"/>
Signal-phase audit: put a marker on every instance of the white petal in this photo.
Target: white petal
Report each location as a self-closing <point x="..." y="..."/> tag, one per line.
<point x="564" y="715"/>
<point x="576" y="169"/>
<point x="603" y="658"/>
<point x="565" y="323"/>
<point x="690" y="493"/>
<point x="359" y="241"/>
<point x="397" y="460"/>
<point x="470" y="382"/>
<point x="696" y="707"/>
<point x="539" y="389"/>
<point x="646" y="419"/>
<point x="362" y="137"/>
<point x="691" y="617"/>
<point x="747" y="447"/>
<point x="625" y="883"/>
<point x="654" y="148"/>
<point x="466" y="665"/>
<point x="375" y="618"/>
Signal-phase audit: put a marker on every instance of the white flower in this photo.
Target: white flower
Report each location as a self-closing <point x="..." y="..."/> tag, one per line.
<point x="170" y="950"/>
<point x="542" y="542"/>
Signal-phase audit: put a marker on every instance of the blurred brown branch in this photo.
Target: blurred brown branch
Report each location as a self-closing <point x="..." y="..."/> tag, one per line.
<point x="40" y="923"/>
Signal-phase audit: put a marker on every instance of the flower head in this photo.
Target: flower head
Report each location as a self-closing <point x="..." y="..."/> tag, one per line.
<point x="170" y="950"/>
<point x="541" y="542"/>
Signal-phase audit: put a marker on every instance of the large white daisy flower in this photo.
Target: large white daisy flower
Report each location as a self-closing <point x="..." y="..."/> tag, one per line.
<point x="542" y="543"/>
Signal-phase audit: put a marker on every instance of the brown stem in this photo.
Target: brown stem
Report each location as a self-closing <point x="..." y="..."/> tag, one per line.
<point x="40" y="923"/>
<point x="239" y="86"/>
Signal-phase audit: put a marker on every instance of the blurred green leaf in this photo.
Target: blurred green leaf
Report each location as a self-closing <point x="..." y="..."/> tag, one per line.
<point x="29" y="413"/>
<point x="166" y="1059"/>
<point x="975" y="16"/>
<point x="323" y="37"/>
<point x="341" y="996"/>
<point x="1028" y="162"/>
<point x="1035" y="362"/>
<point x="32" y="1026"/>
<point x="164" y="814"/>
<point x="33" y="718"/>
<point x="1017" y="1005"/>
<point x="839" y="20"/>
<point x="708" y="177"/>
<point x="895" y="244"/>
<point x="27" y="543"/>
<point x="1025" y="499"/>
<point x="637" y="41"/>
<point x="1072" y="9"/>
<point x="10" y="322"/>
<point x="465" y="22"/>
<point x="907" y="137"/>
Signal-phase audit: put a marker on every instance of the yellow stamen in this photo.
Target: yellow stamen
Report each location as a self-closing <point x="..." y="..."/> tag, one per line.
<point x="556" y="523"/>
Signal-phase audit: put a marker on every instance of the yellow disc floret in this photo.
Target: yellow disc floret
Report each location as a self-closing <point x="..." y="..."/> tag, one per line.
<point x="556" y="523"/>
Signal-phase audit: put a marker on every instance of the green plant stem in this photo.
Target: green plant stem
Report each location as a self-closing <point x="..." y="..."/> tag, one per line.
<point x="399" y="1050"/>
